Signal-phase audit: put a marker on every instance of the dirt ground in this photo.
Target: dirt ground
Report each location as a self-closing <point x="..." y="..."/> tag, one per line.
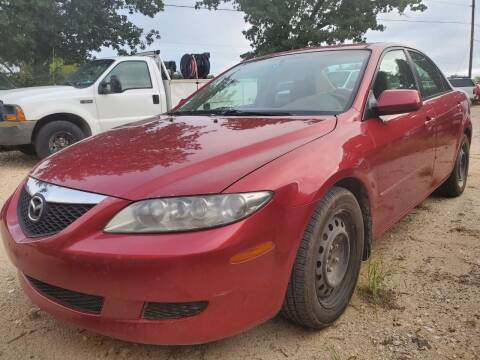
<point x="432" y="258"/>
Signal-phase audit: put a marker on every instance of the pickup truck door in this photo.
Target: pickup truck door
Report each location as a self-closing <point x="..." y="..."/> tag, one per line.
<point x="128" y="93"/>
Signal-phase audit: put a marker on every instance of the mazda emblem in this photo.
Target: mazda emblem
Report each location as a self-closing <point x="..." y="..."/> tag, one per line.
<point x="36" y="208"/>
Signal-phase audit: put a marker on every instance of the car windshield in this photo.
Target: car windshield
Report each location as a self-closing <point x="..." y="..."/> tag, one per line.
<point x="5" y="84"/>
<point x="462" y="82"/>
<point x="317" y="82"/>
<point x="88" y="73"/>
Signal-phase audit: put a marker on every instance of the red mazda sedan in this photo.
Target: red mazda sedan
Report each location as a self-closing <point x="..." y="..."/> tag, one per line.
<point x="261" y="193"/>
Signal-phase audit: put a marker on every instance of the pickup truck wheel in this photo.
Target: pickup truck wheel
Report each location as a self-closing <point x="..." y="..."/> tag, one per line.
<point x="456" y="183"/>
<point x="328" y="262"/>
<point x="55" y="136"/>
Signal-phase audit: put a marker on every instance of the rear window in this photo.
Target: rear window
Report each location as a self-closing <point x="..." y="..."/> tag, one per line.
<point x="461" y="82"/>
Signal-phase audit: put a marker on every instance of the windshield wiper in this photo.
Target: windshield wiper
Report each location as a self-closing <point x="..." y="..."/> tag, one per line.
<point x="238" y="112"/>
<point x="192" y="112"/>
<point x="228" y="111"/>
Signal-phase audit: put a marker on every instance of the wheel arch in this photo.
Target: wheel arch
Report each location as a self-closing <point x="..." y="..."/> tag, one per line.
<point x="359" y="190"/>
<point x="74" y="119"/>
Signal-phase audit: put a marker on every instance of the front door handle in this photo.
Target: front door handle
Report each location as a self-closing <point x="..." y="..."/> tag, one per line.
<point x="429" y="118"/>
<point x="156" y="99"/>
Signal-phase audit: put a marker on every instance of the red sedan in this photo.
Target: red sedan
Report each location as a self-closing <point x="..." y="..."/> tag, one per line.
<point x="261" y="193"/>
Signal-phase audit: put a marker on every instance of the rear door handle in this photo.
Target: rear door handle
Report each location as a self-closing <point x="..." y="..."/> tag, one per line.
<point x="156" y="99"/>
<point x="429" y="118"/>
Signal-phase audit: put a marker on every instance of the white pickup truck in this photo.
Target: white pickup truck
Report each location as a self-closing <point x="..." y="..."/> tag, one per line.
<point x="102" y="94"/>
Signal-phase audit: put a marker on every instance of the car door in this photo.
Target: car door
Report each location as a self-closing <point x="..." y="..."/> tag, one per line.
<point x="449" y="112"/>
<point x="402" y="160"/>
<point x="126" y="94"/>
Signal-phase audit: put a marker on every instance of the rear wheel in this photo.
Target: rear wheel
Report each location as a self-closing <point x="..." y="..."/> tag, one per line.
<point x="456" y="183"/>
<point x="55" y="136"/>
<point x="328" y="262"/>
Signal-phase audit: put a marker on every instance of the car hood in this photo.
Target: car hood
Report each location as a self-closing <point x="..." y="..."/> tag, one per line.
<point x="172" y="156"/>
<point x="15" y="96"/>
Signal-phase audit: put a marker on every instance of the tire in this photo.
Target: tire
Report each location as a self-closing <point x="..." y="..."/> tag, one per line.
<point x="55" y="136"/>
<point x="457" y="181"/>
<point x="316" y="298"/>
<point x="27" y="149"/>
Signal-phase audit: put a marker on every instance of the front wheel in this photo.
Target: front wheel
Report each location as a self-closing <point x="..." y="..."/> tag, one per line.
<point x="55" y="136"/>
<point x="328" y="262"/>
<point x="457" y="181"/>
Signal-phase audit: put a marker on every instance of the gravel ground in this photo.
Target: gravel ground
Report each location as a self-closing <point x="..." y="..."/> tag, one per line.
<point x="432" y="261"/>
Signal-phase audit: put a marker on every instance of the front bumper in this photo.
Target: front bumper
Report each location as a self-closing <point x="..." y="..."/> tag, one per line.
<point x="130" y="270"/>
<point x="16" y="133"/>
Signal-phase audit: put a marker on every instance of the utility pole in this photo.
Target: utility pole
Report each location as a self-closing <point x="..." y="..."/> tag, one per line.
<point x="472" y="33"/>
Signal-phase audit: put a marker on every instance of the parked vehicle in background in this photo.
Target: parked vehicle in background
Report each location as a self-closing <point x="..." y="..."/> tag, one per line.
<point x="5" y="84"/>
<point x="465" y="84"/>
<point x="261" y="193"/>
<point x="102" y="94"/>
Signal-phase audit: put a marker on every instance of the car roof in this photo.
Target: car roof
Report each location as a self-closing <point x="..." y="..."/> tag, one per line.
<point x="373" y="46"/>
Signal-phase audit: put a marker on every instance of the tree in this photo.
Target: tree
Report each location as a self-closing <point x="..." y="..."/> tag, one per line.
<point x="277" y="25"/>
<point x="33" y="32"/>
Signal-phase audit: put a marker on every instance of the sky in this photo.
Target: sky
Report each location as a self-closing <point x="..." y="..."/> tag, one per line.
<point x="185" y="30"/>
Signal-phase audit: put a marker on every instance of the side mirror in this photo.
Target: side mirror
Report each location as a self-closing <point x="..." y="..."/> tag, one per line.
<point x="391" y="102"/>
<point x="102" y="88"/>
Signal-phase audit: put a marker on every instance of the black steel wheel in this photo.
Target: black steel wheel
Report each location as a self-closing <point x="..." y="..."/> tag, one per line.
<point x="328" y="262"/>
<point x="456" y="183"/>
<point x="60" y="140"/>
<point x="55" y="136"/>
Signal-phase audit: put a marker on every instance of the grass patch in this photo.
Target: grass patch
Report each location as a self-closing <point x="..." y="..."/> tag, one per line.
<point x="374" y="289"/>
<point x="335" y="356"/>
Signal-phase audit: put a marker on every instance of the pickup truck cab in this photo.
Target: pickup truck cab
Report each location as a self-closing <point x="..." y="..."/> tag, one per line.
<point x="102" y="94"/>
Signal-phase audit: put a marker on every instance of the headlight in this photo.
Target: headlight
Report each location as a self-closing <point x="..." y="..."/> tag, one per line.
<point x="186" y="213"/>
<point x="12" y="113"/>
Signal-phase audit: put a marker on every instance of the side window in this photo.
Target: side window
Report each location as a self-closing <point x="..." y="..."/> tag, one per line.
<point x="431" y="80"/>
<point x="394" y="72"/>
<point x="128" y="75"/>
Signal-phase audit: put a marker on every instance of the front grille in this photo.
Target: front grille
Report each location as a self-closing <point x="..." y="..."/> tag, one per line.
<point x="78" y="301"/>
<point x="55" y="218"/>
<point x="164" y="311"/>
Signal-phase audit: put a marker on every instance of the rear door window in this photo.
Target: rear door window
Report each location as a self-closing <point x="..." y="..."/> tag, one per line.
<point x="432" y="82"/>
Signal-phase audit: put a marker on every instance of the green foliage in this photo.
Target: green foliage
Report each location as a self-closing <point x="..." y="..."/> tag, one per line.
<point x="32" y="31"/>
<point x="277" y="25"/>
<point x="335" y="356"/>
<point x="5" y="83"/>
<point x="59" y="70"/>
<point x="23" y="77"/>
<point x="376" y="278"/>
<point x="375" y="290"/>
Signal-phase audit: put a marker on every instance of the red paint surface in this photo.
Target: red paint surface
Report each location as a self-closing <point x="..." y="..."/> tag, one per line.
<point x="399" y="162"/>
